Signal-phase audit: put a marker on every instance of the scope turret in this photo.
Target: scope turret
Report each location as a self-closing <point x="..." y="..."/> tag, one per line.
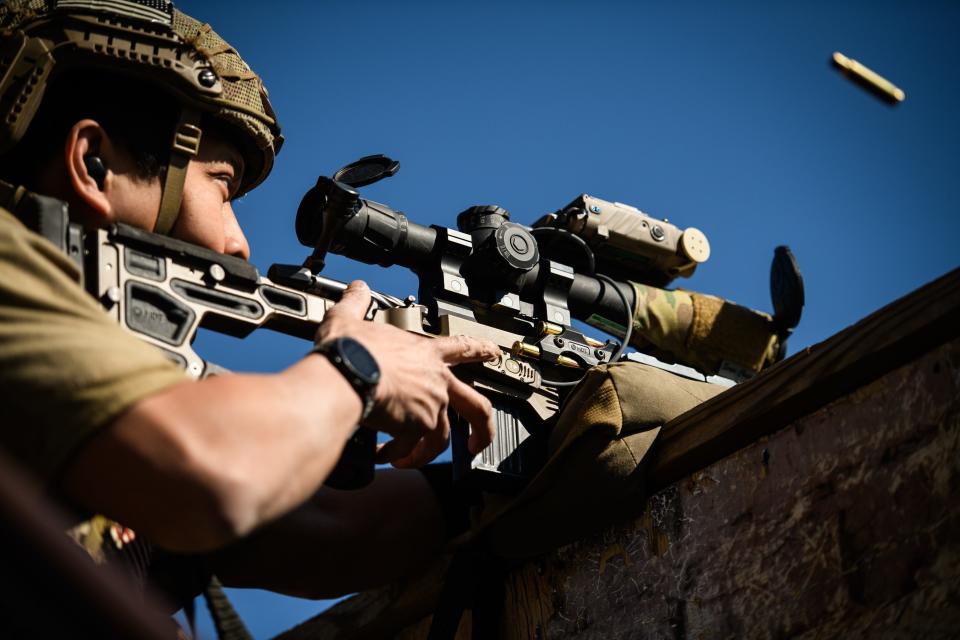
<point x="503" y="251"/>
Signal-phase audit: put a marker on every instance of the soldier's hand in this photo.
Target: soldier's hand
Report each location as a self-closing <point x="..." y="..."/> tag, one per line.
<point x="416" y="384"/>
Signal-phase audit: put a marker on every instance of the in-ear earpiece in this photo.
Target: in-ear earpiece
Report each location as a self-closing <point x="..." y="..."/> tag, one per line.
<point x="96" y="169"/>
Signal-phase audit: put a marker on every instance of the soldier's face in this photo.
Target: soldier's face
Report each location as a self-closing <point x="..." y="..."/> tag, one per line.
<point x="206" y="216"/>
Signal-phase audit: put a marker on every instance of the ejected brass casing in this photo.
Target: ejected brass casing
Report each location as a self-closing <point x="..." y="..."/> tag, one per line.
<point x="868" y="79"/>
<point x="532" y="351"/>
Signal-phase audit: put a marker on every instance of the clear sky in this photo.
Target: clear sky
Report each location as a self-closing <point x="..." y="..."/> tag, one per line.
<point x="722" y="116"/>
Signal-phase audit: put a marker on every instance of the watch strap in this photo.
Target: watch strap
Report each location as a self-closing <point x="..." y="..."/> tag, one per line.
<point x="366" y="390"/>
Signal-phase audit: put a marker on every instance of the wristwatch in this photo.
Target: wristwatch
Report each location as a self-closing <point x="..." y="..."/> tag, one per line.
<point x="357" y="365"/>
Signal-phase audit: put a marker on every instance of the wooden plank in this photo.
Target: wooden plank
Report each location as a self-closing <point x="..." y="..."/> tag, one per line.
<point x="846" y="524"/>
<point x="884" y="340"/>
<point x="720" y="465"/>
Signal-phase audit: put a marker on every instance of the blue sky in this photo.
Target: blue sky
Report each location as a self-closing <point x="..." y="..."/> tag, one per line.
<point x="725" y="116"/>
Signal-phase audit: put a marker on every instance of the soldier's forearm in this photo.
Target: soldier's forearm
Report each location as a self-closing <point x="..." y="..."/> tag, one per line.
<point x="341" y="542"/>
<point x="189" y="449"/>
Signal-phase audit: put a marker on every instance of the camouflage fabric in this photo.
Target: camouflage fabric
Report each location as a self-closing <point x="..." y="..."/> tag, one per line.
<point x="98" y="534"/>
<point x="147" y="39"/>
<point x="662" y="318"/>
<point x="726" y="332"/>
<point x="245" y="102"/>
<point x="598" y="455"/>
<point x="702" y="331"/>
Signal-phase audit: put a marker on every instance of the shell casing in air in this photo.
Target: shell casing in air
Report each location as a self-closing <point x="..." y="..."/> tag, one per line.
<point x="868" y="78"/>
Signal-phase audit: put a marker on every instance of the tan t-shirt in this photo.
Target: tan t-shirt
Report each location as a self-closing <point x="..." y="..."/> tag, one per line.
<point x="66" y="369"/>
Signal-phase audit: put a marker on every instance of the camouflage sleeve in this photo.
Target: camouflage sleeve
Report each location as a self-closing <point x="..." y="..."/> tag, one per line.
<point x="703" y="331"/>
<point x="662" y="318"/>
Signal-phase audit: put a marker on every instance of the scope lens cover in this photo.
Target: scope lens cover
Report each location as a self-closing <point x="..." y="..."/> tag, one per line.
<point x="309" y="223"/>
<point x="367" y="170"/>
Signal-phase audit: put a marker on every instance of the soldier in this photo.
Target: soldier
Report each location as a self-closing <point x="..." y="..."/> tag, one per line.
<point x="93" y="92"/>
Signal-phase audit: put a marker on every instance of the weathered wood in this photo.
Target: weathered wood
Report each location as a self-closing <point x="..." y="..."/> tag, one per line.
<point x="845" y="524"/>
<point x="816" y="500"/>
<point x="884" y="340"/>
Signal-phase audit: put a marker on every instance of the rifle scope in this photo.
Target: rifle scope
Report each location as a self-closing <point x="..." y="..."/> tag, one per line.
<point x="496" y="253"/>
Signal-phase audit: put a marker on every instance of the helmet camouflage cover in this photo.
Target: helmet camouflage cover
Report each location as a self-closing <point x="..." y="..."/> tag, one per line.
<point x="150" y="40"/>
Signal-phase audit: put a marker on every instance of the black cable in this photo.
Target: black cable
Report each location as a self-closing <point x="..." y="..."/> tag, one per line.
<point x="588" y="252"/>
<point x="628" y="332"/>
<point x="628" y="326"/>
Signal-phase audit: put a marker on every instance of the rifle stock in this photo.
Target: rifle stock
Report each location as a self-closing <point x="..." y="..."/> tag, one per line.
<point x="164" y="290"/>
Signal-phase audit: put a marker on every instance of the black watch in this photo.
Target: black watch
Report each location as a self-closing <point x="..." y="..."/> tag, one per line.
<point x="357" y="365"/>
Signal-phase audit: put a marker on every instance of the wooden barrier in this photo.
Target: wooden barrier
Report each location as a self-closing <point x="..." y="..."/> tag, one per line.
<point x="821" y="499"/>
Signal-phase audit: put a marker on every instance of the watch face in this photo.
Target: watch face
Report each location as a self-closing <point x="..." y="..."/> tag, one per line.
<point x="359" y="360"/>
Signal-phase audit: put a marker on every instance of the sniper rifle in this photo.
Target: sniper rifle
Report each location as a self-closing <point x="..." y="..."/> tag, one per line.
<point x="518" y="286"/>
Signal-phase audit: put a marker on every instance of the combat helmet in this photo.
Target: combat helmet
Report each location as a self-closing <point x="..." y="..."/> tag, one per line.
<point x="149" y="40"/>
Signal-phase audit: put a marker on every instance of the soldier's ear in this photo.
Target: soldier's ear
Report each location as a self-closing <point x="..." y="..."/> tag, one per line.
<point x="87" y="152"/>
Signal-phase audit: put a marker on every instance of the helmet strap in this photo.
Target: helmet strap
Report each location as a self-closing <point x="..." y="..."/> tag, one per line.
<point x="186" y="144"/>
